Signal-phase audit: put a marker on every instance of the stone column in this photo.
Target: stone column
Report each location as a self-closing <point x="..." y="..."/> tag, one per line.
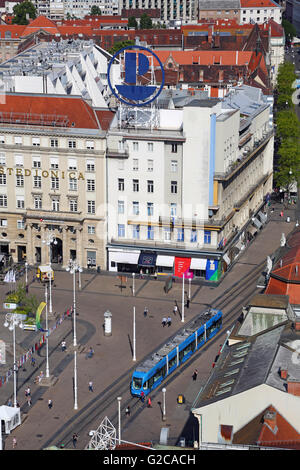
<point x="66" y="252"/>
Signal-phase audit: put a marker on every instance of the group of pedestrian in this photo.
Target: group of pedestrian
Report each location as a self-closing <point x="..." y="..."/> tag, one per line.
<point x="166" y="321"/>
<point x="149" y="403"/>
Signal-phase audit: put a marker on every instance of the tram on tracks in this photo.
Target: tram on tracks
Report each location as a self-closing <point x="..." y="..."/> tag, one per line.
<point x="156" y="368"/>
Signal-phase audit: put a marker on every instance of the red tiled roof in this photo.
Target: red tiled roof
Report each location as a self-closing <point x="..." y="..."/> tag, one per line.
<point x="205" y="57"/>
<point x="259" y="4"/>
<point x="105" y="117"/>
<point x="41" y="22"/>
<point x="282" y="435"/>
<point x="77" y="112"/>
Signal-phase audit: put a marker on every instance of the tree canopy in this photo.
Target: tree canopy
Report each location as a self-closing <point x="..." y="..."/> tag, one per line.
<point x="95" y="10"/>
<point x="289" y="30"/>
<point x="132" y="23"/>
<point x="23" y="11"/>
<point x="119" y="45"/>
<point x="145" y="22"/>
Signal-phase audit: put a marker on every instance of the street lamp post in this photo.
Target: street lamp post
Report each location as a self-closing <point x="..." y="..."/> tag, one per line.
<point x="164" y="404"/>
<point x="47" y="339"/>
<point x="119" y="419"/>
<point x="133" y="286"/>
<point x="49" y="241"/>
<point x="72" y="269"/>
<point x="134" y="338"/>
<point x="26" y="273"/>
<point x="11" y="321"/>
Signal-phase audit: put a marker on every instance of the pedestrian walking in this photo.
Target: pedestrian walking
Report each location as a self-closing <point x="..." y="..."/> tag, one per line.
<point x="142" y="397"/>
<point x="90" y="352"/>
<point x="50" y="404"/>
<point x="145" y="312"/>
<point x="164" y="321"/>
<point x="127" y="411"/>
<point x="91" y="389"/>
<point x="74" y="439"/>
<point x="29" y="400"/>
<point x="63" y="346"/>
<point x="14" y="443"/>
<point x="188" y="303"/>
<point x="149" y="404"/>
<point x="33" y="361"/>
<point x="169" y="321"/>
<point x="27" y="392"/>
<point x="175" y="309"/>
<point x="9" y="403"/>
<point x="155" y="275"/>
<point x="195" y="373"/>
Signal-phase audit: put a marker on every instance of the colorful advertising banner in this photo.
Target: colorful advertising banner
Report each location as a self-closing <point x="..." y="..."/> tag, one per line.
<point x="212" y="270"/>
<point x="182" y="266"/>
<point x="38" y="315"/>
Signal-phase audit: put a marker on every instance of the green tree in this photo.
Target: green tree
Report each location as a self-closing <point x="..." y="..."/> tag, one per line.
<point x="95" y="10"/>
<point x="289" y="30"/>
<point x="132" y="23"/>
<point x="119" y="45"/>
<point x="287" y="124"/>
<point x="288" y="164"/>
<point x="22" y="12"/>
<point x="145" y="22"/>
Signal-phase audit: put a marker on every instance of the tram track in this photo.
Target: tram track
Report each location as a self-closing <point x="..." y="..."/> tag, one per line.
<point x="96" y="409"/>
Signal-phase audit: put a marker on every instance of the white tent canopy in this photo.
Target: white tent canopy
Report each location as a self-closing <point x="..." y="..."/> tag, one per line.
<point x="11" y="416"/>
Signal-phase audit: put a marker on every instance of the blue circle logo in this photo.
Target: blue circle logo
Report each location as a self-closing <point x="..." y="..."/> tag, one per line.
<point x="134" y="91"/>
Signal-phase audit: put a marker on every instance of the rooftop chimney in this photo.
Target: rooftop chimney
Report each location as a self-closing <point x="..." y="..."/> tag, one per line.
<point x="270" y="420"/>
<point x="283" y="373"/>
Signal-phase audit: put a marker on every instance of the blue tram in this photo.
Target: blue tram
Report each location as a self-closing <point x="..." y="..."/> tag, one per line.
<point x="155" y="369"/>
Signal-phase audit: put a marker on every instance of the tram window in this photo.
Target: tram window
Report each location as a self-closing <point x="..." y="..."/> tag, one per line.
<point x="136" y="383"/>
<point x="150" y="382"/>
<point x="157" y="375"/>
<point x="172" y="362"/>
<point x="145" y="385"/>
<point x="200" y="337"/>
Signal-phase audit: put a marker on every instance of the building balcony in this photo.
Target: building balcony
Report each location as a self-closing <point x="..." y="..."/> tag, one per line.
<point x="170" y="245"/>
<point x="117" y="153"/>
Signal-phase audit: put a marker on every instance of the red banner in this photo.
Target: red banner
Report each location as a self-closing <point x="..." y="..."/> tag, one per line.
<point x="182" y="265"/>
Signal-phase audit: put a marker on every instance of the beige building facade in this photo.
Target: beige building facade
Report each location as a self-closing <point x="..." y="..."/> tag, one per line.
<point x="52" y="184"/>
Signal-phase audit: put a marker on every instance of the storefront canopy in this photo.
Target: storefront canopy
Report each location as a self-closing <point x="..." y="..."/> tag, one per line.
<point x="257" y="223"/>
<point x="124" y="257"/>
<point x="147" y="259"/>
<point x="165" y="261"/>
<point x="198" y="263"/>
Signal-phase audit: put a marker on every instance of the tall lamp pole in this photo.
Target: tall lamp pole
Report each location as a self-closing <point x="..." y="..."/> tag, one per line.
<point x="182" y="301"/>
<point x="47" y="339"/>
<point x="49" y="241"/>
<point x="72" y="269"/>
<point x="119" y="419"/>
<point x="11" y="321"/>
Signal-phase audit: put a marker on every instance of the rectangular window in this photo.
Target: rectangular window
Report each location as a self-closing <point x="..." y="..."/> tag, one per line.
<point x="2" y="159"/>
<point x="2" y="139"/>
<point x="91" y="230"/>
<point x="180" y="235"/>
<point x="55" y="205"/>
<point x="3" y="222"/>
<point x="121" y="184"/>
<point x="121" y="164"/>
<point x="120" y="207"/>
<point x="73" y="186"/>
<point x="167" y="234"/>
<point x="150" y="146"/>
<point x="19" y="160"/>
<point x="20" y="224"/>
<point x="173" y="210"/>
<point x="207" y="237"/>
<point x="135" y="208"/>
<point x="174" y="166"/>
<point x="36" y="162"/>
<point x="73" y="205"/>
<point x="36" y="141"/>
<point x="174" y="148"/>
<point x="91" y="207"/>
<point x="37" y="181"/>
<point x="72" y="164"/>
<point x="150" y="232"/>
<point x="2" y="179"/>
<point x="53" y="143"/>
<point x="20" y="202"/>
<point x="72" y="144"/>
<point x="135" y="146"/>
<point x="174" y="187"/>
<point x="135" y="186"/>
<point x="90" y="165"/>
<point x="18" y="140"/>
<point x="193" y="236"/>
<point x="37" y="202"/>
<point x="135" y="165"/>
<point x="150" y="186"/>
<point x="150" y="165"/>
<point x="136" y="232"/>
<point x="90" y="144"/>
<point x="54" y="182"/>
<point x="20" y="181"/>
<point x="121" y="230"/>
<point x="150" y="209"/>
<point x="54" y="163"/>
<point x="90" y="185"/>
<point x="3" y="200"/>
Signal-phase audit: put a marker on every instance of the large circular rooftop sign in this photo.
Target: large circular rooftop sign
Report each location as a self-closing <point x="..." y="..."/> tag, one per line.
<point x="138" y="87"/>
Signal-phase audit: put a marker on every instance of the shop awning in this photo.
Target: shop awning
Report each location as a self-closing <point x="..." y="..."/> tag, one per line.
<point x="147" y="259"/>
<point x="257" y="223"/>
<point x="252" y="230"/>
<point x="165" y="261"/>
<point x="198" y="263"/>
<point x="124" y="257"/>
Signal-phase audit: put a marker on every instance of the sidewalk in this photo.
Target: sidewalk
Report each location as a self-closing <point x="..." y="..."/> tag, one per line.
<point x="110" y="362"/>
